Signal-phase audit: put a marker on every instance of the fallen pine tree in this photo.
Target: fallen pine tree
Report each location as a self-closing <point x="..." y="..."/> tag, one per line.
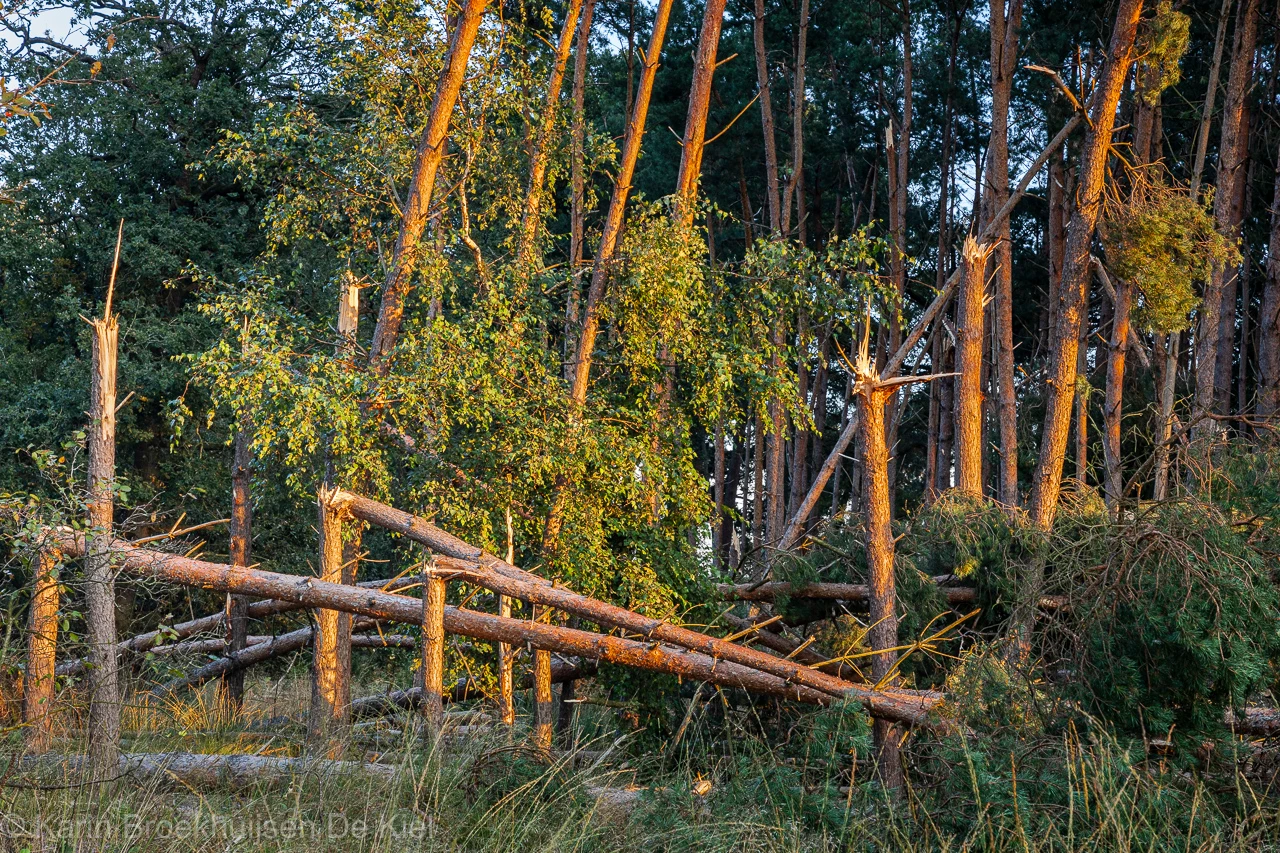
<point x="465" y="688"/>
<point x="854" y="592"/>
<point x="194" y="769"/>
<point x="478" y="567"/>
<point x="902" y="706"/>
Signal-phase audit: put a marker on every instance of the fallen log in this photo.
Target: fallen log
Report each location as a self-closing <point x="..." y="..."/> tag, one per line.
<point x="501" y="577"/>
<point x="197" y="770"/>
<point x="213" y="622"/>
<point x="462" y="690"/>
<point x="907" y="707"/>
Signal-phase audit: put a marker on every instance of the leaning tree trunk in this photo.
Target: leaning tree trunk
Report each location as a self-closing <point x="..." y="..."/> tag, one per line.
<point x="577" y="175"/>
<point x="100" y="587"/>
<point x="541" y="140"/>
<point x="1210" y="348"/>
<point x="1065" y="343"/>
<point x="42" y="650"/>
<point x="417" y="208"/>
<point x="968" y="381"/>
<point x="695" y="123"/>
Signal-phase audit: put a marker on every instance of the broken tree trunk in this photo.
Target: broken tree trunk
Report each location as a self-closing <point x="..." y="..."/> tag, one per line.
<point x="100" y="587"/>
<point x="970" y="310"/>
<point x="331" y="661"/>
<point x="237" y="617"/>
<point x="417" y="208"/>
<point x="42" y="649"/>
<point x="904" y="706"/>
<point x="490" y="572"/>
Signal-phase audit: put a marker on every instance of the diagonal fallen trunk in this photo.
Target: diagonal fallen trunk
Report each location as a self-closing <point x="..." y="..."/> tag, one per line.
<point x="488" y="571"/>
<point x="203" y="771"/>
<point x="852" y="592"/>
<point x="907" y="707"/>
<point x="802" y="652"/>
<point x="462" y="690"/>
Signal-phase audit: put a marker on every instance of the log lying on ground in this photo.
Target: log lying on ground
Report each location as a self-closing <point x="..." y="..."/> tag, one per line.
<point x="488" y="571"/>
<point x="198" y="770"/>
<point x="463" y="689"/>
<point x="213" y="622"/>
<point x="797" y="651"/>
<point x="849" y="592"/>
<point x="907" y="707"/>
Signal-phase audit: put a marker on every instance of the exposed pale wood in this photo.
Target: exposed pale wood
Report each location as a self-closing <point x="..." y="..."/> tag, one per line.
<point x="970" y="334"/>
<point x="433" y="637"/>
<point x="331" y="660"/>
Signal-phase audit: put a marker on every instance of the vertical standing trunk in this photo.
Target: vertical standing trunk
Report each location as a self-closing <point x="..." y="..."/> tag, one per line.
<point x="1164" y="424"/>
<point x="1269" y="318"/>
<point x="797" y="124"/>
<point x="331" y="658"/>
<point x="946" y="419"/>
<point x="1211" y="348"/>
<point x="543" y="707"/>
<point x="506" y="654"/>
<point x="757" y="494"/>
<point x="434" y="589"/>
<point x="1082" y="392"/>
<point x="695" y="123"/>
<point x="883" y="634"/>
<point x="541" y="148"/>
<point x="100" y="587"/>
<point x="899" y="156"/>
<point x="239" y="552"/>
<point x="1065" y="342"/>
<point x="1113" y="484"/>
<point x="417" y="208"/>
<point x="772" y="199"/>
<point x="968" y="381"/>
<point x="577" y="173"/>
<point x="717" y="526"/>
<point x="1004" y="50"/>
<point x="42" y="650"/>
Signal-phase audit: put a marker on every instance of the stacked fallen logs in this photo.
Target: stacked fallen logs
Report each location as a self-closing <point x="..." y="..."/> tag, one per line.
<point x="715" y="656"/>
<point x="669" y="649"/>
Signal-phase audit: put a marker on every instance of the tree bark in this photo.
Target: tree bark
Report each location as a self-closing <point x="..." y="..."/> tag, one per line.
<point x="773" y="201"/>
<point x="417" y="208"/>
<point x="1269" y="318"/>
<point x="506" y="654"/>
<point x="39" y="682"/>
<point x="971" y="301"/>
<point x="1005" y="24"/>
<point x="541" y="147"/>
<point x="577" y="174"/>
<point x="1065" y="342"/>
<point x="797" y="124"/>
<point x="1210" y="95"/>
<point x="1231" y="156"/>
<point x="100" y="587"/>
<point x="1164" y="431"/>
<point x="695" y="123"/>
<point x="433" y="604"/>
<point x="1112" y="410"/>
<point x="904" y="706"/>
<point x="492" y="573"/>
<point x="331" y="662"/>
<point x="239" y="552"/>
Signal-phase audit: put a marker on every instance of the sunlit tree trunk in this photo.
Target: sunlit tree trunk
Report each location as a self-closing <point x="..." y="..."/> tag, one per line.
<point x="695" y="123"/>
<point x="577" y="170"/>
<point x="968" y="381"/>
<point x="418" y="205"/>
<point x="331" y="657"/>
<point x="42" y="648"/>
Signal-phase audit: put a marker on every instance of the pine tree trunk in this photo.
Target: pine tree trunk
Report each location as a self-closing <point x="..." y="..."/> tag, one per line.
<point x="695" y="123"/>
<point x="541" y="142"/>
<point x="331" y="656"/>
<point x="434" y="590"/>
<point x="577" y="172"/>
<point x="1269" y="318"/>
<point x="1004" y="51"/>
<point x="1065" y="342"/>
<point x="968" y="381"/>
<point x="1164" y="424"/>
<point x="239" y="552"/>
<point x="1212" y="347"/>
<point x="42" y="650"/>
<point x="1112" y="410"/>
<point x="1211" y="95"/>
<point x="773" y="201"/>
<point x="100" y="587"/>
<point x="417" y="208"/>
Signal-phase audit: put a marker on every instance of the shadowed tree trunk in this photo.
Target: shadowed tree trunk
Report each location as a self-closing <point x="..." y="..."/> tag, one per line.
<point x="1005" y="24"/>
<point x="100" y="587"/>
<point x="1269" y="318"/>
<point x="1112" y="409"/>
<point x="577" y="172"/>
<point x="1210" y="95"/>
<point x="1210" y="345"/>
<point x="42" y="649"/>
<point x="239" y="553"/>
<point x="417" y="208"/>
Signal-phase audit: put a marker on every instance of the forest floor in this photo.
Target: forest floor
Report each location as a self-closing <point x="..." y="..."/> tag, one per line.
<point x="765" y="779"/>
